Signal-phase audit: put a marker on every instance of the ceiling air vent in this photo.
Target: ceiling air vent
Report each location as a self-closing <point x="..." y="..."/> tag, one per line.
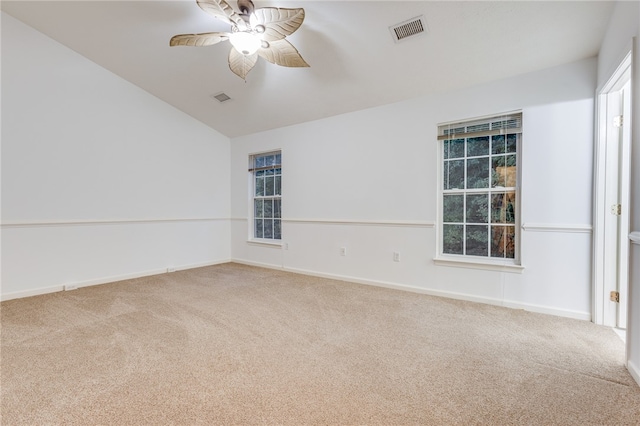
<point x="410" y="28"/>
<point x="221" y="97"/>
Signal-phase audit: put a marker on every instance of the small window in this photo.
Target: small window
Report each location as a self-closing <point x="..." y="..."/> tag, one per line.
<point x="266" y="177"/>
<point x="479" y="193"/>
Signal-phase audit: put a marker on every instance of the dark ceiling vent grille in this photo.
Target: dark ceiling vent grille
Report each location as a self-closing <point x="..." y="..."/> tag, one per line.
<point x="221" y="97"/>
<point x="410" y="28"/>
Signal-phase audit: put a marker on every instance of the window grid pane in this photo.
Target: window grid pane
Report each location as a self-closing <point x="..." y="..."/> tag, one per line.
<point x="477" y="210"/>
<point x="259" y="186"/>
<point x="476" y="240"/>
<point x="478" y="172"/>
<point x="258" y="228"/>
<point x="276" y="208"/>
<point x="502" y="241"/>
<point x="454" y="174"/>
<point x="258" y="211"/>
<point x="453" y="239"/>
<point x="277" y="234"/>
<point x="268" y="228"/>
<point x="452" y="210"/>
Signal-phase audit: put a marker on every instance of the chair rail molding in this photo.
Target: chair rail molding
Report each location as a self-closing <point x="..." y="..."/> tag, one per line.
<point x="400" y="223"/>
<point x="393" y="223"/>
<point x="558" y="227"/>
<point x="41" y="223"/>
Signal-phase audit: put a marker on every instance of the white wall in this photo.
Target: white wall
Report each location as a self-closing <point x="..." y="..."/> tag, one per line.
<point x="368" y="181"/>
<point x="100" y="180"/>
<point x="624" y="25"/>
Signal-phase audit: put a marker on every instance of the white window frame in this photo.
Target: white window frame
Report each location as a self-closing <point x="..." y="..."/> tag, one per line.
<point x="253" y="197"/>
<point x="470" y="261"/>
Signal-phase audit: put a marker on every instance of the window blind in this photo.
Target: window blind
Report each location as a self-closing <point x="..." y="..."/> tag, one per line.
<point x="265" y="161"/>
<point x="496" y="125"/>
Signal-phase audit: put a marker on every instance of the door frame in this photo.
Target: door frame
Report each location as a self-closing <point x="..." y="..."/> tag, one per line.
<point x="601" y="307"/>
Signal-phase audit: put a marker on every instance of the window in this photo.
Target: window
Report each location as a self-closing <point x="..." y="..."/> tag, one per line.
<point x="266" y="177"/>
<point x="480" y="214"/>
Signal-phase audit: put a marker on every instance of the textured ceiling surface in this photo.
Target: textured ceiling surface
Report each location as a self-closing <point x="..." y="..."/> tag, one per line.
<point x="355" y="64"/>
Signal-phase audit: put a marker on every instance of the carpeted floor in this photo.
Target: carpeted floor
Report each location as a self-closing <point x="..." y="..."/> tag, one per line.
<point x="236" y="345"/>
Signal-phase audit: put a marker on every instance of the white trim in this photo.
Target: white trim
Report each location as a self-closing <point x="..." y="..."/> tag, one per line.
<point x="396" y="223"/>
<point x="480" y="118"/>
<point x="33" y="292"/>
<point x="601" y="310"/>
<point x="466" y="262"/>
<point x="399" y="223"/>
<point x="269" y="151"/>
<point x="619" y="69"/>
<point x="106" y="280"/>
<point x="599" y="202"/>
<point x="586" y="316"/>
<point x="40" y="223"/>
<point x="558" y="227"/>
<point x="635" y="237"/>
<point x="566" y="313"/>
<point x="257" y="264"/>
<point x="263" y="243"/>
<point x="634" y="370"/>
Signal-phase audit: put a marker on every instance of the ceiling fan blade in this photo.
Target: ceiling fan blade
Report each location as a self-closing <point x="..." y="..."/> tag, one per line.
<point x="281" y="52"/>
<point x="220" y="9"/>
<point x="241" y="64"/>
<point x="204" y="39"/>
<point x="278" y="22"/>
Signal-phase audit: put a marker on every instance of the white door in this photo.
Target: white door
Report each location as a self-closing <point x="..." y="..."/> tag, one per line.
<point x="616" y="223"/>
<point x="611" y="199"/>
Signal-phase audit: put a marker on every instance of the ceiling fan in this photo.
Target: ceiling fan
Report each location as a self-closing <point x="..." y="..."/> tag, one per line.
<point x="254" y="32"/>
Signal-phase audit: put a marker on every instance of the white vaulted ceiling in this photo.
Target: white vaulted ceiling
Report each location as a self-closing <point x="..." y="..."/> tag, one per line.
<point x="355" y="63"/>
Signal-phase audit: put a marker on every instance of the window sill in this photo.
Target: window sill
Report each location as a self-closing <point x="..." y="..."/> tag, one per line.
<point x="266" y="243"/>
<point x="477" y="264"/>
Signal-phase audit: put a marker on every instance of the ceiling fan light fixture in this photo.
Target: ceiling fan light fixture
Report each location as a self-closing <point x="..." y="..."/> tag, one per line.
<point x="245" y="42"/>
<point x="254" y="33"/>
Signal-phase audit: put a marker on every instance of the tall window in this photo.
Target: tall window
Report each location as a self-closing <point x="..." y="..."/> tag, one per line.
<point x="266" y="172"/>
<point x="480" y="211"/>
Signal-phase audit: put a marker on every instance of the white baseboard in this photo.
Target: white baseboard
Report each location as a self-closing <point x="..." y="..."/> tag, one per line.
<point x="258" y="264"/>
<point x="634" y="370"/>
<point x="32" y="292"/>
<point x="105" y="280"/>
<point x="440" y="293"/>
<point x="202" y="264"/>
<point x="586" y="316"/>
<point x="567" y="313"/>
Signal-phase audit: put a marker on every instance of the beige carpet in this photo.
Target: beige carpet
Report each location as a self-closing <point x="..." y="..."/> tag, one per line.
<point x="236" y="345"/>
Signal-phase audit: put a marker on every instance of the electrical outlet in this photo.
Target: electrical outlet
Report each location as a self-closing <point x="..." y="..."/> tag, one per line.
<point x="396" y="256"/>
<point x="171" y="269"/>
<point x="343" y="251"/>
<point x="285" y="246"/>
